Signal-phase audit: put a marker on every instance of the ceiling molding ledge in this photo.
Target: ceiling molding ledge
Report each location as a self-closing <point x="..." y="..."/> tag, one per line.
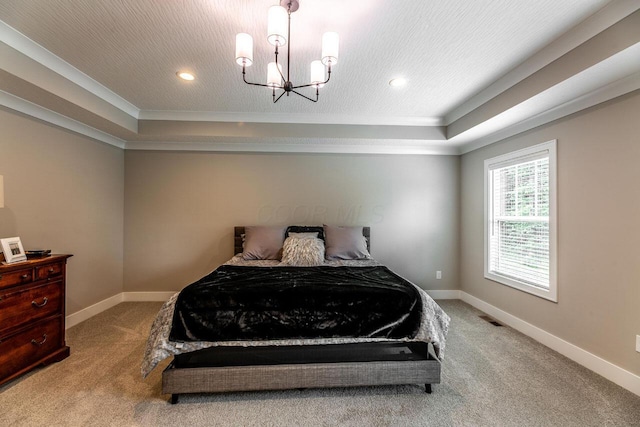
<point x="343" y="147"/>
<point x="27" y="47"/>
<point x="606" y="17"/>
<point x="166" y="129"/>
<point x="599" y="49"/>
<point x="611" y="91"/>
<point x="333" y="119"/>
<point x="37" y="76"/>
<point x="20" y="88"/>
<point x="19" y="105"/>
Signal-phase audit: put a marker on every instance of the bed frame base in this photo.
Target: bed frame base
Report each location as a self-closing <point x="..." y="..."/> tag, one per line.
<point x="235" y="369"/>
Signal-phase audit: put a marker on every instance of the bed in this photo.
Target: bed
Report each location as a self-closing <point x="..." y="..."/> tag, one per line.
<point x="406" y="349"/>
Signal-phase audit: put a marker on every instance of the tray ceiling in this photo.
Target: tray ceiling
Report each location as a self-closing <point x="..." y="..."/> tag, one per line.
<point x="111" y="65"/>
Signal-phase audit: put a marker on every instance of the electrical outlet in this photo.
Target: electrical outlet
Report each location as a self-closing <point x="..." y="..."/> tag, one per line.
<point x="638" y="343"/>
<point x="438" y="274"/>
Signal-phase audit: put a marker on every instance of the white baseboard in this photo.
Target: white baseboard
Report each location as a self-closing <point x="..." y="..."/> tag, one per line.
<point x="86" y="313"/>
<point x="598" y="365"/>
<point x="147" y="296"/>
<point x="99" y="307"/>
<point x="614" y="373"/>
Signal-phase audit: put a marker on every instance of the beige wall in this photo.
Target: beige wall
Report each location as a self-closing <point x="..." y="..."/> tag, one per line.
<point x="65" y="192"/>
<point x="180" y="209"/>
<point x="598" y="305"/>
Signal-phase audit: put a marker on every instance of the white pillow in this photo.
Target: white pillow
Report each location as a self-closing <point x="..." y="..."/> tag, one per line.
<point x="303" y="252"/>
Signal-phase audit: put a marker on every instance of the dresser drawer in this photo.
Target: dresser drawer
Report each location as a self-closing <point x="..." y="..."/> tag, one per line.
<point x="49" y="271"/>
<point x="27" y="304"/>
<point x="21" y="350"/>
<point x="16" y="277"/>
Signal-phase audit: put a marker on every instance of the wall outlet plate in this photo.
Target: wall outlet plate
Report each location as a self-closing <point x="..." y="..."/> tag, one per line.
<point x="438" y="274"/>
<point x="638" y="343"/>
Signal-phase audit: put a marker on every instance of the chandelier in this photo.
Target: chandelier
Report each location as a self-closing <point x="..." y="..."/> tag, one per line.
<point x="278" y="34"/>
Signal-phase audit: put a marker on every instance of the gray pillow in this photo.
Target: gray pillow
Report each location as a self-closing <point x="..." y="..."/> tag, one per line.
<point x="263" y="242"/>
<point x="345" y="243"/>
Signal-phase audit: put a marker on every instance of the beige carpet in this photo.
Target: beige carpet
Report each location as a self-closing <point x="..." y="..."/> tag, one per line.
<point x="492" y="376"/>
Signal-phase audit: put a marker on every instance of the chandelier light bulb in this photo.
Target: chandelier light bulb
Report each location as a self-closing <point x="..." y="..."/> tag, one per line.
<point x="244" y="49"/>
<point x="317" y="73"/>
<point x="274" y="77"/>
<point x="330" y="43"/>
<point x="277" y="25"/>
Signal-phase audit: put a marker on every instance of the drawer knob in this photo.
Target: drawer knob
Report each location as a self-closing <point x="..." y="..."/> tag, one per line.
<point x="25" y="276"/>
<point x="39" y="343"/>
<point x="45" y="300"/>
<point x="51" y="270"/>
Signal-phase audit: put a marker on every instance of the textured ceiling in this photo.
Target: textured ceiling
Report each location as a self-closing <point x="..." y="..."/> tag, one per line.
<point x="448" y="50"/>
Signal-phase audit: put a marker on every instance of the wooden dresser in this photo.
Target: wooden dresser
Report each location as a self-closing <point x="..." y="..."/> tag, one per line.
<point x="32" y="315"/>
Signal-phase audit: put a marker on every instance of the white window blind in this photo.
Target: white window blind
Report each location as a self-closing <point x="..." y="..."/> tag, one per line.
<point x="520" y="211"/>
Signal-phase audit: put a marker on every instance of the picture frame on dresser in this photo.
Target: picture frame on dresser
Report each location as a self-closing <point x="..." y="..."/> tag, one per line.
<point x="13" y="250"/>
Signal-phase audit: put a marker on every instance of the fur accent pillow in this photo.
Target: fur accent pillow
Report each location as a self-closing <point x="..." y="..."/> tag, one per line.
<point x="303" y="235"/>
<point x="303" y="252"/>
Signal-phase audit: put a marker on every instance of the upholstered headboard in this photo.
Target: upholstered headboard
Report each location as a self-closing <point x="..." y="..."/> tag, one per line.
<point x="239" y="231"/>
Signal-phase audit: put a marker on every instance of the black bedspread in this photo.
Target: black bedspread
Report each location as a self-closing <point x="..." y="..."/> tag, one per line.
<point x="266" y="303"/>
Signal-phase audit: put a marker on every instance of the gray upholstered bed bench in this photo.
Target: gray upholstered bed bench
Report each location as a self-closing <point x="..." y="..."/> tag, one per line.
<point x="227" y="369"/>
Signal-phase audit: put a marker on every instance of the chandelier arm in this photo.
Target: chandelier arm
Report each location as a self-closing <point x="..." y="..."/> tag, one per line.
<point x="257" y="84"/>
<point x="278" y="68"/>
<point x="304" y="96"/>
<point x="316" y="84"/>
<point x="277" y="99"/>
<point x="307" y="85"/>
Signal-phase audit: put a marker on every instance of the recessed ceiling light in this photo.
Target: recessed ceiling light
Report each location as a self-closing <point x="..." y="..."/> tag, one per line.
<point x="398" y="82"/>
<point x="185" y="76"/>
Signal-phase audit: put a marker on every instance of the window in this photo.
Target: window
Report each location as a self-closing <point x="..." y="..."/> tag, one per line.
<point x="520" y="220"/>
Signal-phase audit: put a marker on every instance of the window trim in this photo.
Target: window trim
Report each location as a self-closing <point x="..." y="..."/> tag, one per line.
<point x="526" y="154"/>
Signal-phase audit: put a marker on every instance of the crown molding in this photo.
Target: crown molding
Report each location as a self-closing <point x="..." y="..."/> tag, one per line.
<point x="30" y="109"/>
<point x="613" y="77"/>
<point x="18" y="41"/>
<point x="334" y="119"/>
<point x="576" y="36"/>
<point x="319" y="147"/>
<point x="603" y="94"/>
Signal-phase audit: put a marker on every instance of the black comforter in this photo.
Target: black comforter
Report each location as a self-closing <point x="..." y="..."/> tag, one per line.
<point x="270" y="303"/>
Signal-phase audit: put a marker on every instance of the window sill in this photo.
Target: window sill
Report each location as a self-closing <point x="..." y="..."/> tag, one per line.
<point x="548" y="294"/>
